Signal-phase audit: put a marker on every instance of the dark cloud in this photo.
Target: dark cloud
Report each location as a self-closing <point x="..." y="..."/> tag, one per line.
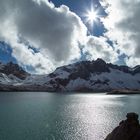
<point x="56" y="32"/>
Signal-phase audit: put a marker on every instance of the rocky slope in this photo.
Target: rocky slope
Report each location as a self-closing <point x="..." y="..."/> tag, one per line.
<point x="83" y="76"/>
<point x="11" y="74"/>
<point x="13" y="69"/>
<point x="128" y="129"/>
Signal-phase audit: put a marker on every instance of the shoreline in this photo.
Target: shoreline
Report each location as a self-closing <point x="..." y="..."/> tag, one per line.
<point x="111" y="92"/>
<point x="123" y="92"/>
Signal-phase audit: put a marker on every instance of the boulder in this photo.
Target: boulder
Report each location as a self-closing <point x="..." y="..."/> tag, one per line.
<point x="128" y="129"/>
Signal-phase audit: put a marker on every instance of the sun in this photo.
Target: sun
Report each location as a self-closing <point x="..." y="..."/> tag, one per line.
<point x="91" y="16"/>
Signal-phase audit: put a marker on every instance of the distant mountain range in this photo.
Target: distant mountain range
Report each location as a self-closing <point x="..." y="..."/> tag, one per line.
<point x="84" y="76"/>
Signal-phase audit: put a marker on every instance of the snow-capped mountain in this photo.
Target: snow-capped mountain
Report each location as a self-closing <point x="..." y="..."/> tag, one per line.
<point x="13" y="69"/>
<point x="11" y="73"/>
<point x="82" y="76"/>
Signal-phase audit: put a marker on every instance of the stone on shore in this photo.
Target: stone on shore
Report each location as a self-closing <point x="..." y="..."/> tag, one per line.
<point x="128" y="129"/>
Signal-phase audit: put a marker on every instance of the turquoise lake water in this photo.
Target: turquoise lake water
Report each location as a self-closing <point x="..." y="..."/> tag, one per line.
<point x="51" y="116"/>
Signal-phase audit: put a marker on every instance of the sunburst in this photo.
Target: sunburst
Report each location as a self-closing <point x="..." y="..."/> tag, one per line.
<point x="91" y="16"/>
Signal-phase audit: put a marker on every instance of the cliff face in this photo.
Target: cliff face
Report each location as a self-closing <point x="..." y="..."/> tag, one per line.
<point x="13" y="69"/>
<point x="128" y="129"/>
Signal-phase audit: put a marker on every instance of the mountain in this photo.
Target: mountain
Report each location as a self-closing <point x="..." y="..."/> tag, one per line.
<point x="11" y="74"/>
<point x="84" y="76"/>
<point x="13" y="69"/>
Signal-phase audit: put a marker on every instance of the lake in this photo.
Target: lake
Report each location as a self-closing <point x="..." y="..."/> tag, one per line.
<point x="52" y="116"/>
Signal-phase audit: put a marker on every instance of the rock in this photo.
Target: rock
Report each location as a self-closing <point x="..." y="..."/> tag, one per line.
<point x="15" y="69"/>
<point x="128" y="129"/>
<point x="127" y="92"/>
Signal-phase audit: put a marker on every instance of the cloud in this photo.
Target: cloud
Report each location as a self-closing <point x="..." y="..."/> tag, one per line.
<point x="98" y="47"/>
<point x="55" y="32"/>
<point x="123" y="27"/>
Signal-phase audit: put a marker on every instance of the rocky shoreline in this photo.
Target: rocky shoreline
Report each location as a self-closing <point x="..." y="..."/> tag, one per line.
<point x="115" y="92"/>
<point x="128" y="129"/>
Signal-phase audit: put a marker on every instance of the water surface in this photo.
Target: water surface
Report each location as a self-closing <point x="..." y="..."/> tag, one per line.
<point x="51" y="116"/>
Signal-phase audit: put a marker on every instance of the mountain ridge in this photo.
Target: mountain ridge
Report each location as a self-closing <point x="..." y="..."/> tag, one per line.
<point x="83" y="76"/>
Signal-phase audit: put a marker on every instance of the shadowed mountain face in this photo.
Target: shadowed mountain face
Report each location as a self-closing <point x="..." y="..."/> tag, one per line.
<point x="128" y="129"/>
<point x="82" y="76"/>
<point x="13" y="69"/>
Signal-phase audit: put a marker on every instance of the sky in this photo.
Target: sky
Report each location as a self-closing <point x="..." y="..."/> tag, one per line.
<point x="41" y="35"/>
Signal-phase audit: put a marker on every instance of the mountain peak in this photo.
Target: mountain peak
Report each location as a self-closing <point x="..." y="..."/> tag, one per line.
<point x="15" y="69"/>
<point x="101" y="61"/>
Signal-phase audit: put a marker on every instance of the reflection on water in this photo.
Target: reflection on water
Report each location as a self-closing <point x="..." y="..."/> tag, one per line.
<point x="49" y="116"/>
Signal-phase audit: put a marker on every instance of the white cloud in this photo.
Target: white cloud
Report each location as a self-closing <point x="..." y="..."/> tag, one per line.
<point x="55" y="32"/>
<point x="97" y="47"/>
<point x="123" y="25"/>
